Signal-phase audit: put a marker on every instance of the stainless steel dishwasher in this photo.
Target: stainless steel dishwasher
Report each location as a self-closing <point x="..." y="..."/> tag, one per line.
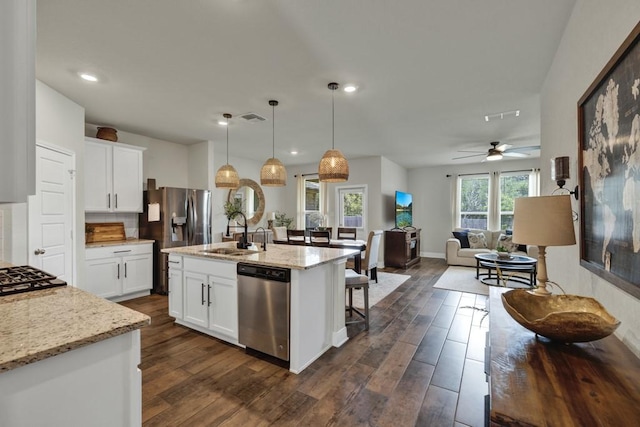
<point x="264" y="296"/>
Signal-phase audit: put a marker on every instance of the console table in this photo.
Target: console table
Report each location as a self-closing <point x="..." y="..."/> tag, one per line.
<point x="536" y="382"/>
<point x="401" y="248"/>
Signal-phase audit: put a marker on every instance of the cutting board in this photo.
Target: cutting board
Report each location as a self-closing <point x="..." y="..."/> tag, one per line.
<point x="104" y="232"/>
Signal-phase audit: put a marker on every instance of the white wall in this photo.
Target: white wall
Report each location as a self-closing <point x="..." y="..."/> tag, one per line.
<point x="431" y="189"/>
<point x="201" y="166"/>
<point x="595" y="31"/>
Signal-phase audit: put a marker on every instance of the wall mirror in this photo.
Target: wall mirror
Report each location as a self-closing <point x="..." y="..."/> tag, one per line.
<point x="250" y="194"/>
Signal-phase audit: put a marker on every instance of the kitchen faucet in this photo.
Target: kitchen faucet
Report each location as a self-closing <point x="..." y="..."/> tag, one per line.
<point x="264" y="238"/>
<point x="242" y="244"/>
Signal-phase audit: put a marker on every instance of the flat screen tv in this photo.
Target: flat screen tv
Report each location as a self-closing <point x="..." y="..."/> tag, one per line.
<point x="404" y="209"/>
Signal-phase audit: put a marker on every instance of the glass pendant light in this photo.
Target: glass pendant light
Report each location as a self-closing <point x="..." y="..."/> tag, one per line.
<point x="227" y="176"/>
<point x="333" y="166"/>
<point x="273" y="172"/>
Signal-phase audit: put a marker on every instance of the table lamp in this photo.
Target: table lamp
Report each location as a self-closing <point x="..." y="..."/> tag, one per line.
<point x="543" y="221"/>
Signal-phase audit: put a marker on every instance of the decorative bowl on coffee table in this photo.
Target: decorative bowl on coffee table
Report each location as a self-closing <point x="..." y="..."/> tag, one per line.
<point x="563" y="318"/>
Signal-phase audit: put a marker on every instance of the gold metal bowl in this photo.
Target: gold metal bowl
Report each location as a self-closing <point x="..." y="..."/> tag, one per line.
<point x="564" y="318"/>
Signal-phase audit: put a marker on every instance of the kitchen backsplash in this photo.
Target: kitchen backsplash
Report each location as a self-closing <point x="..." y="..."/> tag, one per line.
<point x="130" y="221"/>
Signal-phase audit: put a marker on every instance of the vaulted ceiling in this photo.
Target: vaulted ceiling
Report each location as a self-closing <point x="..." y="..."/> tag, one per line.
<point x="427" y="71"/>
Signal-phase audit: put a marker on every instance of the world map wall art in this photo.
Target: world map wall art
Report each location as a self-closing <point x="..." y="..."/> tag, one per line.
<point x="609" y="156"/>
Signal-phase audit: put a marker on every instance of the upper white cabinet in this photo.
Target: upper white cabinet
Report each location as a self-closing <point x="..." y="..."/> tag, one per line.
<point x="113" y="177"/>
<point x="17" y="100"/>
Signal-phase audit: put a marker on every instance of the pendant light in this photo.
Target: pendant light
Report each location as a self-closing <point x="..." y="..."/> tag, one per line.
<point x="227" y="176"/>
<point x="273" y="172"/>
<point x="333" y="166"/>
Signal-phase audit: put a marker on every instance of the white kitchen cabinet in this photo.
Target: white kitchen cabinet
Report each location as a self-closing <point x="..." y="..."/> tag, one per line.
<point x="175" y="287"/>
<point x="17" y="103"/>
<point x="113" y="177"/>
<point x="208" y="296"/>
<point x="120" y="272"/>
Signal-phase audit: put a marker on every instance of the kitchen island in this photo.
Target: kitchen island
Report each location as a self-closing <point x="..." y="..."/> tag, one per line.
<point x="69" y="358"/>
<point x="203" y="293"/>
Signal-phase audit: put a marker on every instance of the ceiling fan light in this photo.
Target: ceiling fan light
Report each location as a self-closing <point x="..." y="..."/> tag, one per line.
<point x="333" y="167"/>
<point x="273" y="173"/>
<point x="494" y="155"/>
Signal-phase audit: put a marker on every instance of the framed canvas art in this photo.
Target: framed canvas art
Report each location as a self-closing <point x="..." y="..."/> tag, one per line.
<point x="609" y="157"/>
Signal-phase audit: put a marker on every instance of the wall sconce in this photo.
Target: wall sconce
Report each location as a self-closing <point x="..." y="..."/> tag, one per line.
<point x="560" y="174"/>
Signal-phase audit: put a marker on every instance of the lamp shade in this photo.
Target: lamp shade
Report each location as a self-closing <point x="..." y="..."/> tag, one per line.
<point x="333" y="167"/>
<point x="543" y="221"/>
<point x="560" y="168"/>
<point x="273" y="173"/>
<point x="227" y="177"/>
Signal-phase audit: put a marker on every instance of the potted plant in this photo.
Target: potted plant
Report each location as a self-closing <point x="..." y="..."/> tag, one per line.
<point x="503" y="252"/>
<point x="282" y="220"/>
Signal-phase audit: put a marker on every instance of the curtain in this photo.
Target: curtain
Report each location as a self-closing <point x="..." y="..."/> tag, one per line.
<point x="300" y="210"/>
<point x="454" y="185"/>
<point x="534" y="182"/>
<point x="494" y="201"/>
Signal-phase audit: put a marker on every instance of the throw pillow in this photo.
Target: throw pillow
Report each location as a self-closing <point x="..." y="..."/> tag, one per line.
<point x="462" y="236"/>
<point x="521" y="248"/>
<point x="505" y="241"/>
<point x="477" y="240"/>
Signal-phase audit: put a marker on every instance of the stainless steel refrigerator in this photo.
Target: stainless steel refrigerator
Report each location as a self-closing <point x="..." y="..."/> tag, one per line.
<point x="174" y="217"/>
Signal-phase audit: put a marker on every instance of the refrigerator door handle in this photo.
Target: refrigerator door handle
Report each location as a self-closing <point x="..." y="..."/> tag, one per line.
<point x="190" y="219"/>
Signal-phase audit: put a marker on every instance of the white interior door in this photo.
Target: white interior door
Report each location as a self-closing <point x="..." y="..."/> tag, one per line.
<point x="51" y="213"/>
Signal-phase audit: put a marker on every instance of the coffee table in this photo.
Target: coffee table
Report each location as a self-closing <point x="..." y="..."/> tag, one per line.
<point x="512" y="264"/>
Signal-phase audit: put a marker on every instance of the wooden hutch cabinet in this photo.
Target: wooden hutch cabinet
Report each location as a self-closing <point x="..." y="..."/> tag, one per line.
<point x="401" y="248"/>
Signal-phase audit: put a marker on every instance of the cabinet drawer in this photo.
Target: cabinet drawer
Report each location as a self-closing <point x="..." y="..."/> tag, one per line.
<point x="208" y="266"/>
<point x="175" y="261"/>
<point x="118" y="250"/>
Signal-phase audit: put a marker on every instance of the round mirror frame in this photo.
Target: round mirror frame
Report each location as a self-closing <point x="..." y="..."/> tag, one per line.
<point x="257" y="215"/>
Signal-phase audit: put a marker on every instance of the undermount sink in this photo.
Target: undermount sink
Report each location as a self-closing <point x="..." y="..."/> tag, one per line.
<point x="229" y="251"/>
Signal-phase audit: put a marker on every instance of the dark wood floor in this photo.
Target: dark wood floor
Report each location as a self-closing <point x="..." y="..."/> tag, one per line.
<point x="420" y="364"/>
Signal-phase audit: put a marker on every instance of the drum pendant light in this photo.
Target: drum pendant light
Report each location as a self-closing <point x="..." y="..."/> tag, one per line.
<point x="333" y="166"/>
<point x="273" y="172"/>
<point x="227" y="176"/>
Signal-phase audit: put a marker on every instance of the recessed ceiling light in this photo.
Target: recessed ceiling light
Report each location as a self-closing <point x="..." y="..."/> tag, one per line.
<point x="223" y="122"/>
<point x="350" y="88"/>
<point x="88" y="77"/>
<point x="294" y="152"/>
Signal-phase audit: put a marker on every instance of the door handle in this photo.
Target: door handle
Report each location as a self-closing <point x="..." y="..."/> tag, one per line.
<point x="202" y="294"/>
<point x="109" y="200"/>
<point x="116" y="201"/>
<point x="39" y="251"/>
<point x="118" y="272"/>
<point x="209" y="295"/>
<point x="125" y="270"/>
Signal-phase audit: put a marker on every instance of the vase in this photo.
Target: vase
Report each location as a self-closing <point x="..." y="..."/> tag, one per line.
<point x="109" y="134"/>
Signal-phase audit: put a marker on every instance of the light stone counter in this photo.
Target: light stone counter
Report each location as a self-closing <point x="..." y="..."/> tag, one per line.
<point x="40" y="324"/>
<point x="276" y="255"/>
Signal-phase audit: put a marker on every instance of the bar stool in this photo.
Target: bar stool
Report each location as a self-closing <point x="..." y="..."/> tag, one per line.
<point x="353" y="280"/>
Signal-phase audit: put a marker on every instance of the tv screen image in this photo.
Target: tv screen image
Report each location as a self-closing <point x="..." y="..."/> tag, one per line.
<point x="404" y="209"/>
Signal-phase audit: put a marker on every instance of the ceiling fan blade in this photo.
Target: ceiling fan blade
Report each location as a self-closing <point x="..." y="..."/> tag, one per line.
<point x="471" y="151"/>
<point x="503" y="147"/>
<point x="515" y="154"/>
<point x="466" y="157"/>
<point x="524" y="149"/>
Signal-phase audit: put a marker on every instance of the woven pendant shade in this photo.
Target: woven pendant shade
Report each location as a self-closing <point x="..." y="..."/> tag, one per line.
<point x="227" y="177"/>
<point x="333" y="167"/>
<point x="273" y="172"/>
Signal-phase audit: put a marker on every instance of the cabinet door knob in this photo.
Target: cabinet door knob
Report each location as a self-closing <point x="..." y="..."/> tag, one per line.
<point x="39" y="251"/>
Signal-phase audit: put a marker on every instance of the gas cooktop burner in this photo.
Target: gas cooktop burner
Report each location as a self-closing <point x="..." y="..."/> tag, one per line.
<point x="14" y="280"/>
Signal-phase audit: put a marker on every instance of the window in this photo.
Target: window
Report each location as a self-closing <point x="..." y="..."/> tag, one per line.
<point x="486" y="201"/>
<point x="474" y="201"/>
<point x="351" y="206"/>
<point x="313" y="215"/>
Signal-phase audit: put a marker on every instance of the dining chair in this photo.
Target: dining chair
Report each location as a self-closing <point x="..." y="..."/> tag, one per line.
<point x="370" y="259"/>
<point x="320" y="238"/>
<point x="296" y="237"/>
<point x="355" y="281"/>
<point x="346" y="233"/>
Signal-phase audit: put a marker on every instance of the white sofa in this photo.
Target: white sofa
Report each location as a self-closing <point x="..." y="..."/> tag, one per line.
<point x="457" y="255"/>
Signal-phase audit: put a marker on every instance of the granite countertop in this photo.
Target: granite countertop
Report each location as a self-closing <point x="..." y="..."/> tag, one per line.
<point x="287" y="256"/>
<point x="40" y="324"/>
<point x="129" y="241"/>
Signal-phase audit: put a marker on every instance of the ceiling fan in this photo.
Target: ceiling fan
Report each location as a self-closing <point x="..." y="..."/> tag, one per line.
<point x="498" y="151"/>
